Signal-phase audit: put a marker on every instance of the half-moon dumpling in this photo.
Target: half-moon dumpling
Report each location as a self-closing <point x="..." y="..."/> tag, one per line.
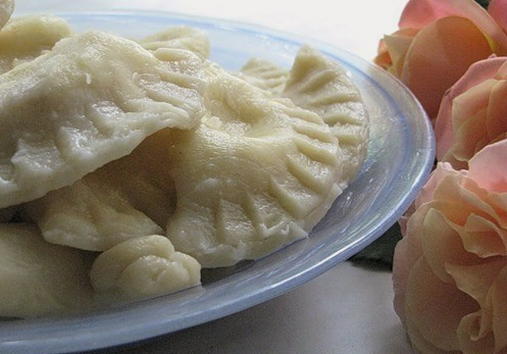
<point x="129" y="197"/>
<point x="180" y="37"/>
<point x="89" y="216"/>
<point x="126" y="198"/>
<point x="265" y="75"/>
<point x="322" y="86"/>
<point x="257" y="174"/>
<point x="39" y="278"/>
<point x="144" y="267"/>
<point x="183" y="61"/>
<point x="92" y="99"/>
<point x="25" y="38"/>
<point x="6" y="9"/>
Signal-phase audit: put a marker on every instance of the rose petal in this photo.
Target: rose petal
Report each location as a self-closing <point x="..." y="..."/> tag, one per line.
<point x="383" y="59"/>
<point x="470" y="341"/>
<point x="397" y="46"/>
<point x="453" y="211"/>
<point x="499" y="304"/>
<point x="496" y="123"/>
<point x="498" y="11"/>
<point x="466" y="205"/>
<point x="463" y="201"/>
<point x="499" y="202"/>
<point x="435" y="308"/>
<point x="477" y="73"/>
<point x="402" y="222"/>
<point x="487" y="167"/>
<point x="471" y="102"/>
<point x="496" y="202"/>
<point x="420" y="344"/>
<point x="476" y="280"/>
<point x="439" y="55"/>
<point x="441" y="171"/>
<point x="483" y="238"/>
<point x="469" y="136"/>
<point x="444" y="135"/>
<point x="406" y="253"/>
<point x="441" y="244"/>
<point x="420" y="13"/>
<point x="502" y="71"/>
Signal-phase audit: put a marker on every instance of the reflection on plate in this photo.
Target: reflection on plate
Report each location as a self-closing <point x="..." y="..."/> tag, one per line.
<point x="399" y="159"/>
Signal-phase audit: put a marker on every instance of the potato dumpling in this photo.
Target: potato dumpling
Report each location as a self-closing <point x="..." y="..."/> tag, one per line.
<point x="126" y="198"/>
<point x="107" y="144"/>
<point x="257" y="174"/>
<point x="130" y="197"/>
<point x="320" y="85"/>
<point x="144" y="267"/>
<point x="265" y="75"/>
<point x="39" y="278"/>
<point x="89" y="216"/>
<point x="18" y="44"/>
<point x="90" y="100"/>
<point x="180" y="37"/>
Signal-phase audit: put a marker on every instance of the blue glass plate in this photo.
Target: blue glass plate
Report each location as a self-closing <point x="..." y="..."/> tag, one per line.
<point x="400" y="156"/>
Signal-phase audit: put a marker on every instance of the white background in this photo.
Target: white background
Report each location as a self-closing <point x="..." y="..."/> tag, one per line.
<point x="346" y="310"/>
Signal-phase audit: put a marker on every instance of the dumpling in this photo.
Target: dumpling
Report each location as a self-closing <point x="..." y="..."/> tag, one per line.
<point x="130" y="197"/>
<point x="256" y="175"/>
<point x="92" y="99"/>
<point x="6" y="9"/>
<point x="126" y="198"/>
<point x="143" y="178"/>
<point x="143" y="267"/>
<point x="39" y="278"/>
<point x="322" y="86"/>
<point x="88" y="216"/>
<point x="25" y="38"/>
<point x="265" y="75"/>
<point x="183" y="62"/>
<point x="180" y="37"/>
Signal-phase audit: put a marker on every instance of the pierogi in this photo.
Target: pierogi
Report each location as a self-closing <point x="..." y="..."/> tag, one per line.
<point x="127" y="165"/>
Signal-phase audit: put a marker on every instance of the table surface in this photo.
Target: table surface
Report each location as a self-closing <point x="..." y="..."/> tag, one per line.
<point x="346" y="310"/>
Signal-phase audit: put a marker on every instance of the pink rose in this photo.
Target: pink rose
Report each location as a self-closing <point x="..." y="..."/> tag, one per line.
<point x="436" y="43"/>
<point x="450" y="268"/>
<point x="473" y="112"/>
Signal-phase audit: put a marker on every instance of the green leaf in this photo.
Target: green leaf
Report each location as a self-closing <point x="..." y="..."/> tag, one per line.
<point x="380" y="253"/>
<point x="483" y="3"/>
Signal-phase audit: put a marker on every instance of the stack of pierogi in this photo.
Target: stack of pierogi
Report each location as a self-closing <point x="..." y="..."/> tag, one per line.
<point x="126" y="166"/>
